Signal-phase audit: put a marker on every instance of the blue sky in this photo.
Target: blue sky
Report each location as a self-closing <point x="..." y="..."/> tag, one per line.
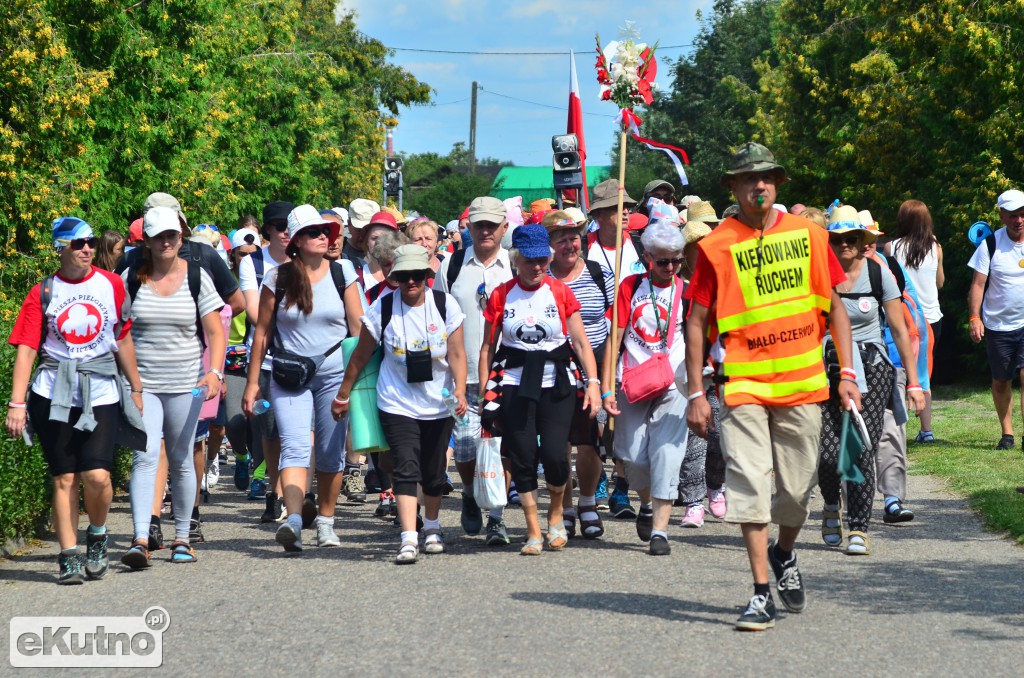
<point x="508" y="129"/>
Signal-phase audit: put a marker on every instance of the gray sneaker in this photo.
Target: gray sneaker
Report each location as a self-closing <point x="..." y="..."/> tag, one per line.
<point x="325" y="535"/>
<point x="96" y="562"/>
<point x="71" y="566"/>
<point x="288" y="537"/>
<point x="497" y="534"/>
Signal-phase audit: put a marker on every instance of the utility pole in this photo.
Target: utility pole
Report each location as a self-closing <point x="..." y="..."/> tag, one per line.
<point x="472" y="131"/>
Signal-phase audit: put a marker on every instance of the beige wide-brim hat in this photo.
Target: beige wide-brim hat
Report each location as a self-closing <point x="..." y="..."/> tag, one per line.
<point x="845" y="219"/>
<point x="701" y="211"/>
<point x="411" y="258"/>
<point x="695" y="230"/>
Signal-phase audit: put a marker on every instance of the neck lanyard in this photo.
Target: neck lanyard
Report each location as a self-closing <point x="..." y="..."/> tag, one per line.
<point x="663" y="333"/>
<point x="597" y="240"/>
<point x="426" y="310"/>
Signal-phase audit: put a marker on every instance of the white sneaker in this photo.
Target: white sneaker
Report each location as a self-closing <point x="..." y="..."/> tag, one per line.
<point x="325" y="535"/>
<point x="212" y="474"/>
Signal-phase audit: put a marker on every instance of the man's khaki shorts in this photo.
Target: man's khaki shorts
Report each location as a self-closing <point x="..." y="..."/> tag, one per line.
<point x="757" y="440"/>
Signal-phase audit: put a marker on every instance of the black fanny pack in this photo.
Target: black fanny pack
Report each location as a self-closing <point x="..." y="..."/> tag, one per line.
<point x="293" y="371"/>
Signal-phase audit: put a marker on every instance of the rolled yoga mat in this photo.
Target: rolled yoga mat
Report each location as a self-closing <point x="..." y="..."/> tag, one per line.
<point x="363" y="416"/>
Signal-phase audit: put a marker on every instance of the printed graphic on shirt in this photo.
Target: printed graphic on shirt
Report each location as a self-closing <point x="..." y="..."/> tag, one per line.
<point x="649" y="320"/>
<point x="79" y="322"/>
<point x="773" y="268"/>
<point x="533" y="320"/>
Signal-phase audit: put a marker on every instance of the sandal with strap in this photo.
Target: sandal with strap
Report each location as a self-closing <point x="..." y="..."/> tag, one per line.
<point x="182" y="552"/>
<point x="895" y="513"/>
<point x="569" y="521"/>
<point x="590" y="529"/>
<point x="832" y="527"/>
<point x="407" y="553"/>
<point x="137" y="557"/>
<point x="532" y="547"/>
<point x="433" y="545"/>
<point x="859" y="544"/>
<point x="557" y="537"/>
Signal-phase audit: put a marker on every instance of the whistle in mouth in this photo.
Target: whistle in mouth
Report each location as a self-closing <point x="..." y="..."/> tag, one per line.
<point x="760" y="200"/>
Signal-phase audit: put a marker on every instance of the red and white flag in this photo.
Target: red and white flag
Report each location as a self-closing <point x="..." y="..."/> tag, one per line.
<point x="575" y="125"/>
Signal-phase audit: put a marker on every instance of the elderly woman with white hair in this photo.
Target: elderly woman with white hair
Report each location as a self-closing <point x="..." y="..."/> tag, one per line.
<point x="650" y="431"/>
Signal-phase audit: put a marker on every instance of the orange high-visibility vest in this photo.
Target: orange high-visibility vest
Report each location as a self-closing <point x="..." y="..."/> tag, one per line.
<point x="774" y="294"/>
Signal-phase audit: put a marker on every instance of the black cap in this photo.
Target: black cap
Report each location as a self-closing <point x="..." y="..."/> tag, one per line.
<point x="277" y="211"/>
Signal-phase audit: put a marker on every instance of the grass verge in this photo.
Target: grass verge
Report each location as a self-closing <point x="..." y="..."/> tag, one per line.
<point x="966" y="430"/>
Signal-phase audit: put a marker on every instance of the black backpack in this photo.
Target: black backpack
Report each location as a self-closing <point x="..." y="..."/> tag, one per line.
<point x="192" y="275"/>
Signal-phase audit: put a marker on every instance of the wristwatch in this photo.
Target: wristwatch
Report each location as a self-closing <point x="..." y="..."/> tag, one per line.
<point x="218" y="374"/>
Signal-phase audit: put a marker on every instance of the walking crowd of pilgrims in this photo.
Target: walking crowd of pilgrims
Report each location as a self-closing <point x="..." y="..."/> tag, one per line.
<point x="636" y="361"/>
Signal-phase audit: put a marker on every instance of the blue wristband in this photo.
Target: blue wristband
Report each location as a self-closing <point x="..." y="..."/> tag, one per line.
<point x="605" y="395"/>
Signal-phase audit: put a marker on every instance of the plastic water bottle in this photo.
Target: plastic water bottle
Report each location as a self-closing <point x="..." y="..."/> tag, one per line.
<point x="452" y="403"/>
<point x="201" y="392"/>
<point x="260" y="407"/>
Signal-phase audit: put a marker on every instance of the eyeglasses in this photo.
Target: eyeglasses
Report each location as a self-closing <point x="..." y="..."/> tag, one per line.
<point x="317" y="231"/>
<point x="406" y="277"/>
<point x="665" y="262"/>
<point x="79" y="243"/>
<point x="848" y="240"/>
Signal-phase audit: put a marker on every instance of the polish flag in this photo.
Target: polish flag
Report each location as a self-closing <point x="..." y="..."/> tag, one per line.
<point x="575" y="125"/>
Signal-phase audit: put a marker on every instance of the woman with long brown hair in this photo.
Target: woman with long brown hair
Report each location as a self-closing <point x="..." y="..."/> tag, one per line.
<point x="109" y="250"/>
<point x="917" y="249"/>
<point x="307" y="306"/>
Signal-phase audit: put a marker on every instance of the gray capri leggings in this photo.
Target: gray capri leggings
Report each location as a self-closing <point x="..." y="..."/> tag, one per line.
<point x="292" y="409"/>
<point x="164" y="415"/>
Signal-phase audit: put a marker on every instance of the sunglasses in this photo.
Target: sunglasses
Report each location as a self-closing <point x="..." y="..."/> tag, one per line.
<point x="279" y="226"/>
<point x="317" y="231"/>
<point x="849" y="240"/>
<point x="665" y="262"/>
<point x="481" y="296"/>
<point x="203" y="227"/>
<point x="406" y="277"/>
<point x="79" y="243"/>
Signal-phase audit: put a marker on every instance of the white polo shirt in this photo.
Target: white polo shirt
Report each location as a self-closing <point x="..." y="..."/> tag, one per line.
<point x="473" y="275"/>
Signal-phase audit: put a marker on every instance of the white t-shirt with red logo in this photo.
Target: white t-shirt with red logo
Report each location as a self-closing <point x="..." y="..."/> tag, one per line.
<point x="531" y="320"/>
<point x="84" y="320"/>
<point x="643" y="338"/>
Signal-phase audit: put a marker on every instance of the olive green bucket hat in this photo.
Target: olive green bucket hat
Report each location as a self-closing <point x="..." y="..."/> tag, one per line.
<point x="753" y="157"/>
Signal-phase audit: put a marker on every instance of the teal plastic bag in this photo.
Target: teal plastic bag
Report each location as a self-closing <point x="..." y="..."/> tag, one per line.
<point x="363" y="416"/>
<point x="850" y="448"/>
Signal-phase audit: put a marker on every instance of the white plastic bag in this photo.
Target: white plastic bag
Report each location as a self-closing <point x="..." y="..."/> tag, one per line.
<point x="489" y="477"/>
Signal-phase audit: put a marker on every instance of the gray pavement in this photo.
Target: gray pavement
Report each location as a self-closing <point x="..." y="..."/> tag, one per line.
<point x="939" y="596"/>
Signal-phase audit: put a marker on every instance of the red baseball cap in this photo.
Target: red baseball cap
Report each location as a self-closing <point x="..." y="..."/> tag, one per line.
<point x="637" y="221"/>
<point x="383" y="219"/>
<point x="465" y="213"/>
<point x="135" y="231"/>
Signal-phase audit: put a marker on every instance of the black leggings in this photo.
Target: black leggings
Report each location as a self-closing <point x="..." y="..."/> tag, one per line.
<point x="522" y="421"/>
<point x="858" y="495"/>
<point x="68" y="450"/>
<point x="418" y="452"/>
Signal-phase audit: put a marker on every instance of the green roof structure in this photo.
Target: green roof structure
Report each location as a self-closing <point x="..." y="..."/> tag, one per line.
<point x="534" y="183"/>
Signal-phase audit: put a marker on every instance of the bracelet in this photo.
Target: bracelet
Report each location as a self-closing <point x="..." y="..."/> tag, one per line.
<point x="592" y="380"/>
<point x="341" y="402"/>
<point x="11" y="405"/>
<point x="848" y="372"/>
<point x="693" y="396"/>
<point x="134" y="390"/>
<point x="216" y="373"/>
<point x="914" y="387"/>
<point x="607" y="395"/>
<point x="853" y="381"/>
<point x="973" y="318"/>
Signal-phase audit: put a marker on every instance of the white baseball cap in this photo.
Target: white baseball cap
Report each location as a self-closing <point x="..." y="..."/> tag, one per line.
<point x="1011" y="201"/>
<point x="360" y="211"/>
<point x="159" y="220"/>
<point x="243" y="237"/>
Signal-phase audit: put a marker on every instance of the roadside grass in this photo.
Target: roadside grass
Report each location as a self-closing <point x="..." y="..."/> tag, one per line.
<point x="966" y="431"/>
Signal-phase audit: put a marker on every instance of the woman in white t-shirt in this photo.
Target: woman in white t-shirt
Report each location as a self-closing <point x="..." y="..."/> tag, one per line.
<point x="84" y="327"/>
<point x="535" y="316"/>
<point x="920" y="253"/>
<point x="650" y="433"/>
<point x="307" y="307"/>
<point x="170" y="357"/>
<point x="421" y="332"/>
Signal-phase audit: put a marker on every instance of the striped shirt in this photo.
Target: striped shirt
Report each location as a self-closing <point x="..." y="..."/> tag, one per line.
<point x="167" y="349"/>
<point x="593" y="304"/>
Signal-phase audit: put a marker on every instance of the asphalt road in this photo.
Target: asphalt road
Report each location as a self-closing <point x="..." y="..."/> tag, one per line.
<point x="938" y="596"/>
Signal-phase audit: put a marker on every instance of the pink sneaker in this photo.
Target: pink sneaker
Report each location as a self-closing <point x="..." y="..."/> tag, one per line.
<point x="716" y="502"/>
<point x="694" y="516"/>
